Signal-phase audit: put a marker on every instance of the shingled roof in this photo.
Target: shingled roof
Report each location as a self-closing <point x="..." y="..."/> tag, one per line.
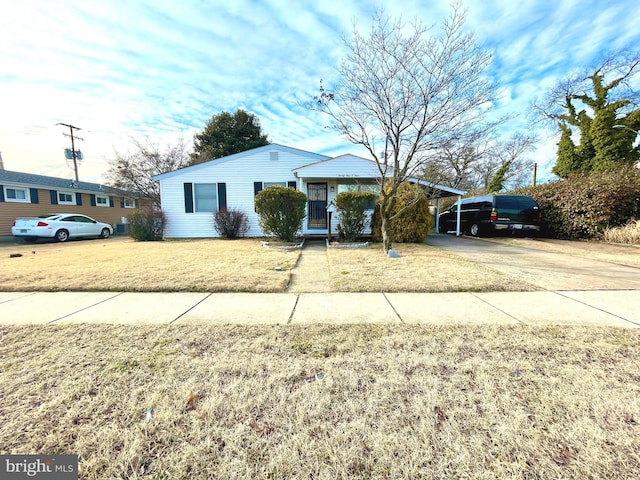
<point x="43" y="181"/>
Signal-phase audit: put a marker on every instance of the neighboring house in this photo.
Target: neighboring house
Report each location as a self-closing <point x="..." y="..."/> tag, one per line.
<point x="29" y="195"/>
<point x="191" y="195"/>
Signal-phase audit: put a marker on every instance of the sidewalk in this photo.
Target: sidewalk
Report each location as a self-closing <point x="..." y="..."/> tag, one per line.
<point x="606" y="308"/>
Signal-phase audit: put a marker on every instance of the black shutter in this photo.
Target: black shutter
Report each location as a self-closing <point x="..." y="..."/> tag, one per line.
<point x="188" y="198"/>
<point x="122" y="203"/>
<point x="78" y="199"/>
<point x="291" y="185"/>
<point x="33" y="193"/>
<point x="222" y="196"/>
<point x="257" y="187"/>
<point x="54" y="197"/>
<point x="111" y="201"/>
<point x="92" y="199"/>
<point x="1" y="193"/>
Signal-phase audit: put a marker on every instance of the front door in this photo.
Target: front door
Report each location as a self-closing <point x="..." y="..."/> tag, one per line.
<point x="317" y="207"/>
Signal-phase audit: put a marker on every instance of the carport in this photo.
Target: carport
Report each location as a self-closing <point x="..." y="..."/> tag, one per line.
<point x="438" y="192"/>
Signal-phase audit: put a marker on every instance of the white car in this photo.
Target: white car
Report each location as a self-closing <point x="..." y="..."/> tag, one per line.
<point x="59" y="226"/>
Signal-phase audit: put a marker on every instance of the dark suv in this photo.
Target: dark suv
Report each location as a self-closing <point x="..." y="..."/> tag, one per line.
<point x="490" y="214"/>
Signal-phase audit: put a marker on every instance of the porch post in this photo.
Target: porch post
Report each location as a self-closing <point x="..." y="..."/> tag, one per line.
<point x="437" y="214"/>
<point x="458" y="215"/>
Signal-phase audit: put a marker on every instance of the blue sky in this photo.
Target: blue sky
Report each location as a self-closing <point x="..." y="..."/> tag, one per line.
<point x="121" y="69"/>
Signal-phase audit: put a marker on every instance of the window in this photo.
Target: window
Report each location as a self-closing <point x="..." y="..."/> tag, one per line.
<point x="359" y="187"/>
<point x="12" y="194"/>
<point x="66" y="198"/>
<point x="274" y="184"/>
<point x="128" y="202"/>
<point x="102" y="201"/>
<point x="205" y="196"/>
<point x="80" y="219"/>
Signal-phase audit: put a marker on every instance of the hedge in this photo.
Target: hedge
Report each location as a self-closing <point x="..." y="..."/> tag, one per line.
<point x="584" y="205"/>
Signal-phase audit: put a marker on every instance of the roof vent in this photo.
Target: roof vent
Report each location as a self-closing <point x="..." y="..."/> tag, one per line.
<point x="273" y="156"/>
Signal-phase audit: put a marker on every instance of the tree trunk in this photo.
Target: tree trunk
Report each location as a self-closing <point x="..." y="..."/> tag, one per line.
<point x="386" y="239"/>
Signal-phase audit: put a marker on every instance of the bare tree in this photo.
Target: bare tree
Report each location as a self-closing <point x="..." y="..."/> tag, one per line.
<point x="595" y="102"/>
<point x="471" y="166"/>
<point x="135" y="171"/>
<point x="570" y="96"/>
<point x="407" y="91"/>
<point x="508" y="160"/>
<point x="456" y="163"/>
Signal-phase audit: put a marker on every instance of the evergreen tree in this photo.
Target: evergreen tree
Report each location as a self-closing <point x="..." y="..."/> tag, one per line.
<point x="226" y="134"/>
<point x="497" y="182"/>
<point x="568" y="157"/>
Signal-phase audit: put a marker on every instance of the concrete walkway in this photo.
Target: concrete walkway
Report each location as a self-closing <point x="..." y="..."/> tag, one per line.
<point x="617" y="308"/>
<point x="311" y="273"/>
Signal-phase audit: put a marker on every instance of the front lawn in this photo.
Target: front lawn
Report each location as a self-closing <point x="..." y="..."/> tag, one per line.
<point x="325" y="402"/>
<point x="209" y="265"/>
<point x="420" y="268"/>
<point x="121" y="264"/>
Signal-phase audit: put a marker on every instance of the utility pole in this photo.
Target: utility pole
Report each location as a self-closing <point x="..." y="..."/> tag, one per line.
<point x="535" y="173"/>
<point x="74" y="154"/>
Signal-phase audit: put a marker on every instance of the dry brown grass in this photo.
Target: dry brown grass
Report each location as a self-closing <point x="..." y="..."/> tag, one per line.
<point x="596" y="250"/>
<point x="420" y="268"/>
<point x="395" y="401"/>
<point x="629" y="234"/>
<point x="120" y="264"/>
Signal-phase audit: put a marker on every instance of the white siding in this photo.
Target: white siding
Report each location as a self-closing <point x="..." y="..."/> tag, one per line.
<point x="239" y="175"/>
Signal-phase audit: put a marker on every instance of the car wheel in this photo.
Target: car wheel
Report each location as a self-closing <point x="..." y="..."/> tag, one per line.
<point x="30" y="239"/>
<point x="474" y="230"/>
<point x="105" y="233"/>
<point x="62" y="236"/>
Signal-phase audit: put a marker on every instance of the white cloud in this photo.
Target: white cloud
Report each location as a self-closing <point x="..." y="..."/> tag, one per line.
<point x="163" y="68"/>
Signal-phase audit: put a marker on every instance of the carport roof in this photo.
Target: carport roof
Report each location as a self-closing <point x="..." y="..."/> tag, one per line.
<point x="438" y="191"/>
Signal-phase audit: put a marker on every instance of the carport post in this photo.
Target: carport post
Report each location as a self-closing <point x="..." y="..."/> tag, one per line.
<point x="458" y="215"/>
<point x="438" y="215"/>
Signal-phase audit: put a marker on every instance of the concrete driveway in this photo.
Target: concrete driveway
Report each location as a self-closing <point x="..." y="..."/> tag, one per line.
<point x="546" y="270"/>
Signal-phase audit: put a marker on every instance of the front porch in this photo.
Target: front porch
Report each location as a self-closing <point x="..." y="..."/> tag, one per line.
<point x="324" y="180"/>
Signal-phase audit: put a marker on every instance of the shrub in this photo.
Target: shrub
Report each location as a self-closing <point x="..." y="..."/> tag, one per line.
<point x="231" y="223"/>
<point x="584" y="205"/>
<point x="146" y="224"/>
<point x="353" y="208"/>
<point x="413" y="224"/>
<point x="281" y="211"/>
